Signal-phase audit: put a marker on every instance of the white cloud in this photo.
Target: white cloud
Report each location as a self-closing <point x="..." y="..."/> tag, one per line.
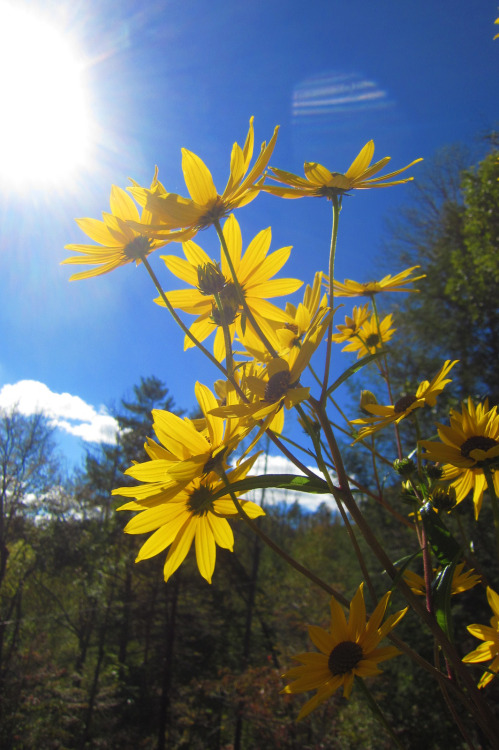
<point x="66" y="412"/>
<point x="282" y="465"/>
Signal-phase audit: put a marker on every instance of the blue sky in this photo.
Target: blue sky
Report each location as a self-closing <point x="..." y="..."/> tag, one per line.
<point x="162" y="75"/>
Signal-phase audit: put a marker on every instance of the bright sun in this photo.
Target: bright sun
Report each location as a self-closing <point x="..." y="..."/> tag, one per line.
<point x="44" y="125"/>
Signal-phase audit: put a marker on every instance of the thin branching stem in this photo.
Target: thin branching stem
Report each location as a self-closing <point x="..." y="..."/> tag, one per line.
<point x="278" y="550"/>
<point x="493" y="500"/>
<point x="227" y="338"/>
<point x="179" y="322"/>
<point x="387" y="375"/>
<point x="476" y="705"/>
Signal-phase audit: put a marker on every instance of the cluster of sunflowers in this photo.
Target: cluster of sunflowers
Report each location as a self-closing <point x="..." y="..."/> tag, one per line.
<point x="200" y="468"/>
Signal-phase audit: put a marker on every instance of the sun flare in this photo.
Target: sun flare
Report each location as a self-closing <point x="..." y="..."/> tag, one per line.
<point x="45" y="127"/>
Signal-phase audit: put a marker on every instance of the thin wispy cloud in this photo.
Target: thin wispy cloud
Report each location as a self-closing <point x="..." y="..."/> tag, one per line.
<point x="64" y="411"/>
<point x="333" y="94"/>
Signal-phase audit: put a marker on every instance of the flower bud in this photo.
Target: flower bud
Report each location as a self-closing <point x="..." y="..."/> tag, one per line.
<point x="230" y="306"/>
<point x="444" y="498"/>
<point x="434" y="472"/>
<point x="367" y="398"/>
<point x="210" y="279"/>
<point x="404" y="466"/>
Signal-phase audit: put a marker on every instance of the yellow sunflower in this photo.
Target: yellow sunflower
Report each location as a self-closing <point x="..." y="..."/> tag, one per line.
<point x="490" y="635"/>
<point x="371" y="338"/>
<point x="301" y="316"/>
<point x="291" y="334"/>
<point x="347" y="650"/>
<point x="397" y="283"/>
<point x="352" y="325"/>
<point x="277" y="383"/>
<point x="320" y="182"/>
<point x="497" y="35"/>
<point x="206" y="206"/>
<point x="461" y="581"/>
<point x="470" y="441"/>
<point x="188" y="449"/>
<point x="254" y="270"/>
<point x="195" y="513"/>
<point x="426" y="394"/>
<point x="119" y="243"/>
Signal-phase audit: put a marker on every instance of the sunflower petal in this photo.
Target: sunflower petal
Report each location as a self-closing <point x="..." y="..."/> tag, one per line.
<point x="198" y="179"/>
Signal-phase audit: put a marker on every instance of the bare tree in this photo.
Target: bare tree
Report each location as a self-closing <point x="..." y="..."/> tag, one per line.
<point x="28" y="471"/>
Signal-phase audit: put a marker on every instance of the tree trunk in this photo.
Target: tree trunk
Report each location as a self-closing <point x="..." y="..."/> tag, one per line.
<point x="170" y="621"/>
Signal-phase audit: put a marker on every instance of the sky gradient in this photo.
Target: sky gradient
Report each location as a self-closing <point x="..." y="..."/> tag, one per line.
<point x="185" y="73"/>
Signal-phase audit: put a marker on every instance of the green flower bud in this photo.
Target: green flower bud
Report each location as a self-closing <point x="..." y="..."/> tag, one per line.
<point x="367" y="398"/>
<point x="404" y="466"/>
<point x="444" y="498"/>
<point x="210" y="279"/>
<point x="230" y="303"/>
<point x="434" y="472"/>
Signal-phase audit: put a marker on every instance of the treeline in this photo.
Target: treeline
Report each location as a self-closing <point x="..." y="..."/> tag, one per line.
<point x="97" y="651"/>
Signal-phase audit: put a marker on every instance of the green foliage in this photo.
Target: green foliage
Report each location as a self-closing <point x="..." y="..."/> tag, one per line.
<point x="452" y="231"/>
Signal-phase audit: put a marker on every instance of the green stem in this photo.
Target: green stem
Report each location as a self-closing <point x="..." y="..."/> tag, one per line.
<point x="404" y="647"/>
<point x="336" y="201"/>
<point x="227" y="339"/>
<point x="493" y="499"/>
<point x="296" y="445"/>
<point x="418" y="439"/>
<point x="469" y="554"/>
<point x="296" y="461"/>
<point x="427" y="569"/>
<point x="476" y="703"/>
<point x="427" y="564"/>
<point x="360" y="558"/>
<point x="376" y="711"/>
<point x="387" y="374"/>
<point x="278" y="550"/>
<point x="180" y="323"/>
<point x="240" y="291"/>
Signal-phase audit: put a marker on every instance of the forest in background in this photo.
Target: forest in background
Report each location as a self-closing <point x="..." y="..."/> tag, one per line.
<point x="96" y="651"/>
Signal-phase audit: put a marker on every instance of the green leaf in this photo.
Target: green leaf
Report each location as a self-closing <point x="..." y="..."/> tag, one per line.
<point x="443" y="545"/>
<point x="441" y="590"/>
<point x="278" y="481"/>
<point x="403" y="562"/>
<point x="353" y="369"/>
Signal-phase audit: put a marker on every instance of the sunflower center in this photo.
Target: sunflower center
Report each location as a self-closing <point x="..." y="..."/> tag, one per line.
<point x="137" y="248"/>
<point x="404" y="403"/>
<point x="480" y="442"/>
<point x="277" y="386"/>
<point x="200" y="502"/>
<point x="372" y="339"/>
<point x="344" y="657"/>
